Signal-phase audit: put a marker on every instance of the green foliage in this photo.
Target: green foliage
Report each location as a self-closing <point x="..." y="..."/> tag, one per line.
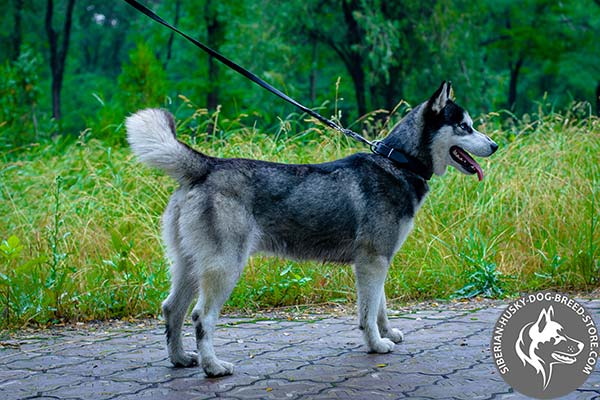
<point x="19" y="93"/>
<point x="484" y="281"/>
<point x="483" y="278"/>
<point x="19" y="86"/>
<point x="142" y="82"/>
<point x="383" y="39"/>
<point x="59" y="269"/>
<point x="285" y="288"/>
<point x="72" y="261"/>
<point x="81" y="221"/>
<point x="383" y="52"/>
<point x="20" y="284"/>
<point x="10" y="251"/>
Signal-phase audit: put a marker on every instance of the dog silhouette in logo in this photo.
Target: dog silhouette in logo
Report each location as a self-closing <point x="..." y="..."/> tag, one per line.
<point x="544" y="343"/>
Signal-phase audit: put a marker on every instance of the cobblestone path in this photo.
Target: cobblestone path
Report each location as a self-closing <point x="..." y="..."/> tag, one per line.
<point x="445" y="355"/>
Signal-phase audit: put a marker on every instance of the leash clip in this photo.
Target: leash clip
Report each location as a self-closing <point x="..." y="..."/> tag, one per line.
<point x="373" y="145"/>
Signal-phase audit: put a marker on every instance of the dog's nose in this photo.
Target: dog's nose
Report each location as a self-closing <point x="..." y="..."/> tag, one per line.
<point x="494" y="147"/>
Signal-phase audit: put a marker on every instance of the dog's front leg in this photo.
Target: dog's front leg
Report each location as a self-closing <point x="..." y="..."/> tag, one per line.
<point x="370" y="278"/>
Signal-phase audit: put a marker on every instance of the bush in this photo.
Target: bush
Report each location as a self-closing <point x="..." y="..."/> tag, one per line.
<point x="142" y="82"/>
<point x="19" y="92"/>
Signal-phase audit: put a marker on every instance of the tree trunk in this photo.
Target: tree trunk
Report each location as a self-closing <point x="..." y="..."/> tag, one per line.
<point x="598" y="99"/>
<point x="353" y="60"/>
<point x="348" y="49"/>
<point x="358" y="78"/>
<point x="58" y="55"/>
<point x="214" y="39"/>
<point x="386" y="95"/>
<point x="17" y="36"/>
<point x="312" y="84"/>
<point x="512" y="87"/>
<point x="172" y="35"/>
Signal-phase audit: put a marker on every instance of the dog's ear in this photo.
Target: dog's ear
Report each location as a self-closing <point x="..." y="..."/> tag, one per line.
<point x="440" y="98"/>
<point x="544" y="318"/>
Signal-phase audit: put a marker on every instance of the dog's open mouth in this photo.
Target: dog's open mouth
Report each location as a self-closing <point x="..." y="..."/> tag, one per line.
<point x="466" y="161"/>
<point x="563" y="358"/>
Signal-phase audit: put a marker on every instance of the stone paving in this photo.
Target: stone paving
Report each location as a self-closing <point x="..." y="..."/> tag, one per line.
<point x="445" y="355"/>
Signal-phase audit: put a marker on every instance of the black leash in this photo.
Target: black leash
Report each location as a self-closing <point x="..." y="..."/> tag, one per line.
<point x="377" y="147"/>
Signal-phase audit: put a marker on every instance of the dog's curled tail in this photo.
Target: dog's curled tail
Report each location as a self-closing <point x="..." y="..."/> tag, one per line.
<point x="151" y="135"/>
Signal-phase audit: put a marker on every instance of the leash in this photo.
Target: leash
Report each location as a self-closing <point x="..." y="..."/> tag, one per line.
<point x="376" y="147"/>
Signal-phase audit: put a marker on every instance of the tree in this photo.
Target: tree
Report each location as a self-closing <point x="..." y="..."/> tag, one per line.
<point x="215" y="35"/>
<point x="531" y="31"/>
<point x="172" y="34"/>
<point x="375" y="39"/>
<point x="344" y="35"/>
<point x="392" y="46"/>
<point x="98" y="37"/>
<point x="17" y="35"/>
<point x="142" y="82"/>
<point x="58" y="54"/>
<point x="598" y="99"/>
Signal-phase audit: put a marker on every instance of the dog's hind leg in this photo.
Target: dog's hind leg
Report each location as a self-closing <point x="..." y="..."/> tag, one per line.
<point x="183" y="289"/>
<point x="174" y="309"/>
<point x="395" y="335"/>
<point x="216" y="284"/>
<point x="370" y="278"/>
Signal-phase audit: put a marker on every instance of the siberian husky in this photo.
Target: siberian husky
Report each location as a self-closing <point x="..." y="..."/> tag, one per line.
<point x="357" y="210"/>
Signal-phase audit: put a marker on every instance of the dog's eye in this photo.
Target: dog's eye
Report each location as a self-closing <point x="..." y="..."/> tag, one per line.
<point x="465" y="127"/>
<point x="558" y="339"/>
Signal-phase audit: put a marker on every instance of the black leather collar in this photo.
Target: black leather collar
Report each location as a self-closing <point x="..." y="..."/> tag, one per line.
<point x="402" y="159"/>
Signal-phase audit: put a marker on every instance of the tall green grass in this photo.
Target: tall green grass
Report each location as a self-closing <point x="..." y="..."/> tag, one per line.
<point x="80" y="223"/>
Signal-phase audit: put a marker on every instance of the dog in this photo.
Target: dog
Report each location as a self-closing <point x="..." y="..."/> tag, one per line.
<point x="543" y="344"/>
<point x="357" y="210"/>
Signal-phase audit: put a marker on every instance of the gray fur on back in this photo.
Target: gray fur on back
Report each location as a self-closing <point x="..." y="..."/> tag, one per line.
<point x="321" y="212"/>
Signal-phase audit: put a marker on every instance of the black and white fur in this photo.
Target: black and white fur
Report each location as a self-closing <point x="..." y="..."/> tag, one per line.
<point x="357" y="210"/>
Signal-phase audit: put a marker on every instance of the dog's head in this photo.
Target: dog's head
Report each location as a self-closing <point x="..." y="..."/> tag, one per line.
<point x="440" y="133"/>
<point x="544" y="343"/>
<point x="549" y="340"/>
<point x="453" y="138"/>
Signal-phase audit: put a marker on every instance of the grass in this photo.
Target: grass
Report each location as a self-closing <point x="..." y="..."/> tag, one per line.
<point x="79" y="223"/>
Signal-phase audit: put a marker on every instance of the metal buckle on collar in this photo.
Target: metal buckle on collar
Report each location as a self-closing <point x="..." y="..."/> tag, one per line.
<point x="375" y="149"/>
<point x="373" y="145"/>
<point x="401" y="159"/>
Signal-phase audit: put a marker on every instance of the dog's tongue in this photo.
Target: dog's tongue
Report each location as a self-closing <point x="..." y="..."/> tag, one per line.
<point x="479" y="171"/>
<point x="472" y="162"/>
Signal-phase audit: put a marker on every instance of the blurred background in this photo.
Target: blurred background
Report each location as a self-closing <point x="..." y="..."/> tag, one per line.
<point x="80" y="217"/>
<point x="68" y="65"/>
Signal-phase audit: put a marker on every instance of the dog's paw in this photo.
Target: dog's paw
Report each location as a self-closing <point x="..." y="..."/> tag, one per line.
<point x="217" y="368"/>
<point x="382" y="346"/>
<point x="395" y="335"/>
<point x="185" y="360"/>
